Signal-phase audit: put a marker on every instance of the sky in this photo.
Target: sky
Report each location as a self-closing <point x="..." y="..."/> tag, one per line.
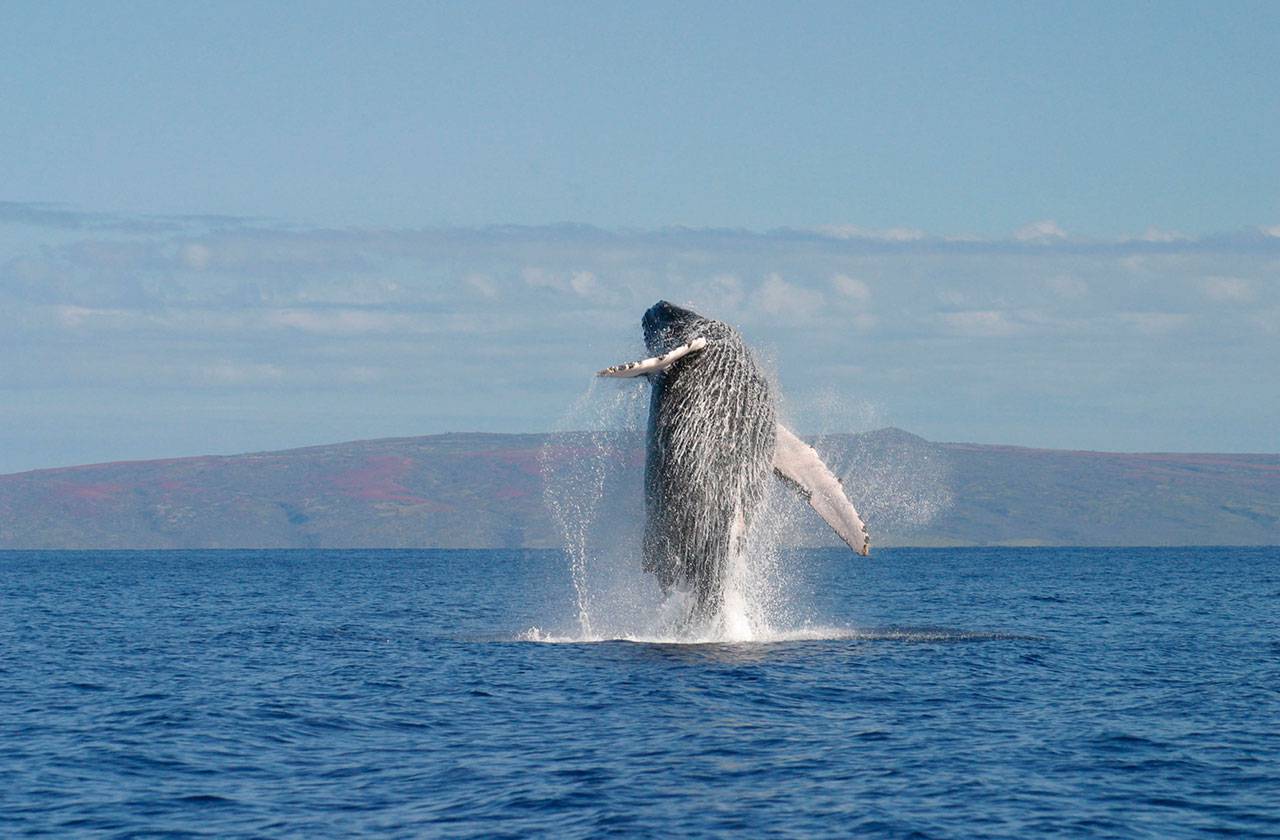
<point x="249" y="226"/>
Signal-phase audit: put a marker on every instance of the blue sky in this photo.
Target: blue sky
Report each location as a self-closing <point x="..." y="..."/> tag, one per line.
<point x="247" y="226"/>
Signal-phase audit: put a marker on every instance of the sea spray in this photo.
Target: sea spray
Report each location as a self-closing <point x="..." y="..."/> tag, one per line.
<point x="592" y="481"/>
<point x="899" y="482"/>
<point x="576" y="467"/>
<point x="714" y="519"/>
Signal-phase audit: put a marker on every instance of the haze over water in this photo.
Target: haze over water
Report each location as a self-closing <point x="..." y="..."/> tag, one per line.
<point x="958" y="692"/>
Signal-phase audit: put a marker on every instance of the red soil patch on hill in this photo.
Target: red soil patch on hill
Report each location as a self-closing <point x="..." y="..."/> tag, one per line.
<point x="379" y="481"/>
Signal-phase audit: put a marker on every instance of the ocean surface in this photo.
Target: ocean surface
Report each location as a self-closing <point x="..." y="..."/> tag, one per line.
<point x="929" y="693"/>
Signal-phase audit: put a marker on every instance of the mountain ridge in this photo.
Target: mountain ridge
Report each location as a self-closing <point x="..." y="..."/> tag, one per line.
<point x="487" y="490"/>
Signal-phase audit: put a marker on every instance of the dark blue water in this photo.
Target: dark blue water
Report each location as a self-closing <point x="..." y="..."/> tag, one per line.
<point x="1008" y="693"/>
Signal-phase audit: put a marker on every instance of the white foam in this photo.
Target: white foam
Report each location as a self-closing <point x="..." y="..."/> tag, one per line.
<point x="615" y="600"/>
<point x="801" y="634"/>
<point x="806" y="634"/>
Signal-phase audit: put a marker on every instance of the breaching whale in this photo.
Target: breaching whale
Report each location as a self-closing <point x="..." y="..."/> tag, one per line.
<point x="712" y="441"/>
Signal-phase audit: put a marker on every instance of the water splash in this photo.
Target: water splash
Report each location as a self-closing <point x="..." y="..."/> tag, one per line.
<point x="907" y="635"/>
<point x="593" y="480"/>
<point x="576" y="466"/>
<point x="898" y="481"/>
<point x="593" y="485"/>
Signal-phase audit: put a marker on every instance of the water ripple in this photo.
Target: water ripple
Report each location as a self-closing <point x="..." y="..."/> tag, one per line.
<point x="948" y="693"/>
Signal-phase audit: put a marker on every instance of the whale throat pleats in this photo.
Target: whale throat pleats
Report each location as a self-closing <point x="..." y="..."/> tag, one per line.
<point x="654" y="364"/>
<point x="797" y="463"/>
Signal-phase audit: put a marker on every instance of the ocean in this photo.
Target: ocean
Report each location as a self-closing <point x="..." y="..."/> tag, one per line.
<point x="927" y="693"/>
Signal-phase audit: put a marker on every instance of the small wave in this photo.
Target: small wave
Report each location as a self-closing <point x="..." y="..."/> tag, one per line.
<point x="802" y="634"/>
<point x="808" y="634"/>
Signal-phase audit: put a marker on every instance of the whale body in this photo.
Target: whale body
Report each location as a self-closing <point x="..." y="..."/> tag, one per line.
<point x="712" y="442"/>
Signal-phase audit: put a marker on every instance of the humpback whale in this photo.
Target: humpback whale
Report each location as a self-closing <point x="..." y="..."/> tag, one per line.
<point x="713" y="439"/>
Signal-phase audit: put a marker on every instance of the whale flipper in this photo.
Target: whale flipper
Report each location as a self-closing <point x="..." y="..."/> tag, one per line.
<point x="655" y="363"/>
<point x="797" y="463"/>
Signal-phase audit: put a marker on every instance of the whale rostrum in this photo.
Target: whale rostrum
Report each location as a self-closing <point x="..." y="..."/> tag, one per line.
<point x="712" y="441"/>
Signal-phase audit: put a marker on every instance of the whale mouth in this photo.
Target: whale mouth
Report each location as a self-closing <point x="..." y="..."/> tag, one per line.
<point x="666" y="326"/>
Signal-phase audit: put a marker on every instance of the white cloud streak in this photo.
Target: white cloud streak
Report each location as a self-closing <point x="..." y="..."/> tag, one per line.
<point x="1043" y="231"/>
<point x="1228" y="289"/>
<point x="440" y="323"/>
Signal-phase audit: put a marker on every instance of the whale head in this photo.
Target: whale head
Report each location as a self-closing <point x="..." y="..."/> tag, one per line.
<point x="667" y="326"/>
<point x="670" y="333"/>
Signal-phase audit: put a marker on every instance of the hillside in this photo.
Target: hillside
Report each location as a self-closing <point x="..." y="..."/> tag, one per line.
<point x="487" y="490"/>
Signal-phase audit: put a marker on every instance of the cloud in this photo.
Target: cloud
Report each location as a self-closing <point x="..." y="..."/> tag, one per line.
<point x="777" y="298"/>
<point x="1228" y="289"/>
<point x="341" y="321"/>
<point x="578" y="281"/>
<point x="982" y="323"/>
<point x="482" y="285"/>
<point x="62" y="217"/>
<point x="231" y="373"/>
<point x="368" y="282"/>
<point x="534" y="311"/>
<point x="895" y="234"/>
<point x="1067" y="287"/>
<point x="195" y="256"/>
<point x="865" y="322"/>
<point x="719" y="293"/>
<point x="1039" y="232"/>
<point x="1154" y="234"/>
<point x="851" y="288"/>
<point x="72" y="317"/>
<point x="1154" y="323"/>
<point x="1267" y="320"/>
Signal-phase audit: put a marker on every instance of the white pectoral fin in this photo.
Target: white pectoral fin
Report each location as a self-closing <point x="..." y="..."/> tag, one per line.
<point x="655" y="363"/>
<point x="798" y="463"/>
